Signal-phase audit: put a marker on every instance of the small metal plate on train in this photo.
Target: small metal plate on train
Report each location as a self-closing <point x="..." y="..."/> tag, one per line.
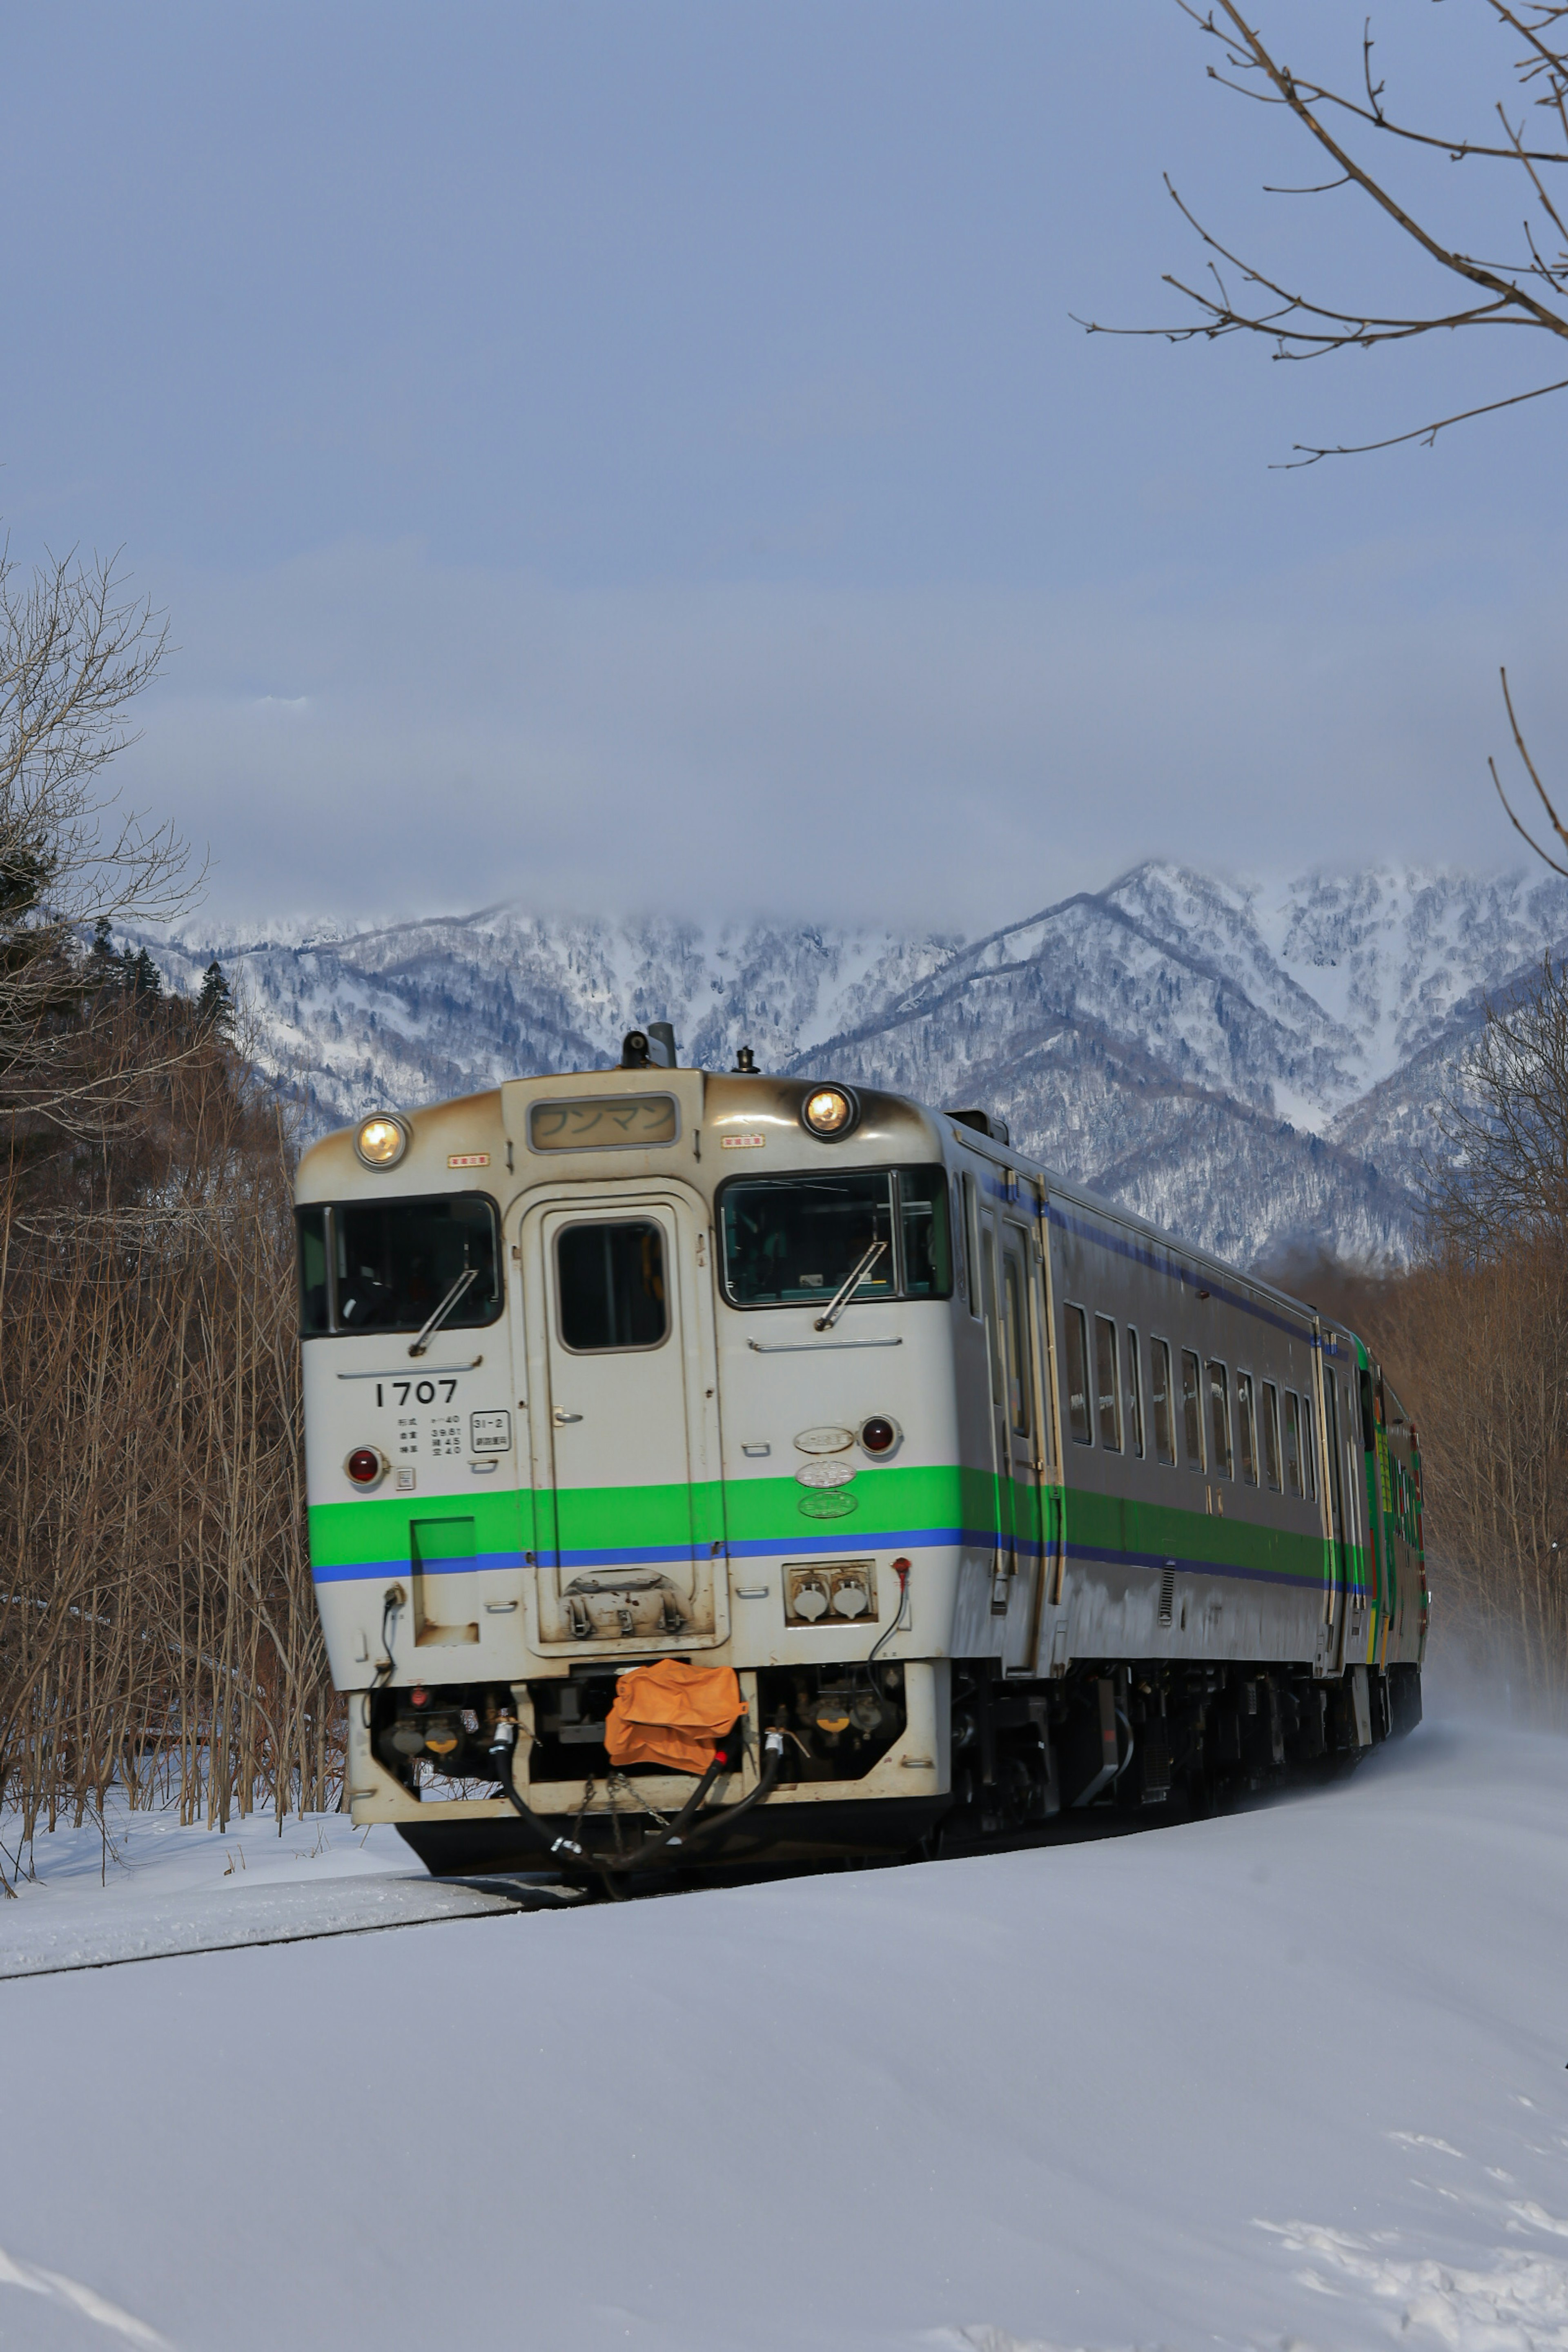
<point x="834" y="1503"/>
<point x="825" y="1473"/>
<point x="824" y="1440"/>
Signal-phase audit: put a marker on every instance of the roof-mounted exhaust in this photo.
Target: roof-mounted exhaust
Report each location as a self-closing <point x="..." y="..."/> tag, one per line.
<point x="652" y="1048"/>
<point x="982" y="1123"/>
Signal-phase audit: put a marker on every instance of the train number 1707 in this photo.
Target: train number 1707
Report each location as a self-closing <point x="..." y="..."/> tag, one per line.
<point x="422" y="1391"/>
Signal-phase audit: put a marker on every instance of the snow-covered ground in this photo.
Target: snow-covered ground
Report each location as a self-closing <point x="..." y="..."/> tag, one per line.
<point x="1290" y="2079"/>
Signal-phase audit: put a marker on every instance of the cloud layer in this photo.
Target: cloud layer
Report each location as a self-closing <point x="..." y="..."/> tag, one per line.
<point x="368" y="730"/>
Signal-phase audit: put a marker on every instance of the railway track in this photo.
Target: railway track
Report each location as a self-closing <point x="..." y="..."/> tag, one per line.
<point x="44" y="1941"/>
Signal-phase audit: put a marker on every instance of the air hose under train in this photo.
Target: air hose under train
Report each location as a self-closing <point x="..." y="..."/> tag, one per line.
<point x="691" y="1826"/>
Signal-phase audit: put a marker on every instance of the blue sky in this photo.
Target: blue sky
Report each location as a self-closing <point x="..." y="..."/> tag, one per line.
<point x="641" y="455"/>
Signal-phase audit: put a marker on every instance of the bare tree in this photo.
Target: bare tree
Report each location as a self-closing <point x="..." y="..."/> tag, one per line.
<point x="157" y="1622"/>
<point x="1527" y="291"/>
<point x="77" y="649"/>
<point x="1499" y="1184"/>
<point x="158" y="1627"/>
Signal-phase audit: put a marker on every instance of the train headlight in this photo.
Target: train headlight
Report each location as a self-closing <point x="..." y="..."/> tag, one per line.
<point x="830" y="1111"/>
<point x="382" y="1141"/>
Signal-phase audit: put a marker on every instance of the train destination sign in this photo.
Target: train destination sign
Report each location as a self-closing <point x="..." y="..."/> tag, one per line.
<point x="609" y="1123"/>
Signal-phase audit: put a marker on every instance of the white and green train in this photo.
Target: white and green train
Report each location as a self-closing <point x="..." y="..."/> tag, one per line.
<point x="997" y="1501"/>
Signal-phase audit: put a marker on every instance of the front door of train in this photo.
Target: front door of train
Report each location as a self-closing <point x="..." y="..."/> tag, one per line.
<point x="1014" y="1323"/>
<point x="618" y="1305"/>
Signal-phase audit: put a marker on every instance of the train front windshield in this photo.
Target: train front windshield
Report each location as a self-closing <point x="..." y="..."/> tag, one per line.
<point x="386" y="1265"/>
<point x="791" y="1241"/>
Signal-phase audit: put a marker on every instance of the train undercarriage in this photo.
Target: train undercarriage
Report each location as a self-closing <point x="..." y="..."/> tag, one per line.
<point x="1106" y="1747"/>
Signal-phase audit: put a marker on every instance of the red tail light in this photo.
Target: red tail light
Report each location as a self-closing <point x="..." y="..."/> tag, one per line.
<point x="365" y="1466"/>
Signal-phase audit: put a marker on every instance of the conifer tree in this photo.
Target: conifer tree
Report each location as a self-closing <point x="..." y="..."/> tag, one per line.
<point x="214" y="1005"/>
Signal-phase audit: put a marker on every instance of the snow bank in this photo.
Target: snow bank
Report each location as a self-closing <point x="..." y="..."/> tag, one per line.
<point x="1293" y="2078"/>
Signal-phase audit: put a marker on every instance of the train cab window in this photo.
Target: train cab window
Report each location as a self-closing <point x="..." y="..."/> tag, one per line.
<point x="1308" y="1451"/>
<point x="1292" y="1445"/>
<point x="395" y="1264"/>
<point x="1192" y="1408"/>
<point x="1246" y="1428"/>
<point x="1135" y="1396"/>
<point x="1219" y="1409"/>
<point x="791" y="1241"/>
<point x="1271" y="1435"/>
<point x="1161" y="1399"/>
<point x="925" y="1270"/>
<point x="610" y="1287"/>
<point x="314" y="1318"/>
<point x="1108" y="1401"/>
<point x="1078" y="1375"/>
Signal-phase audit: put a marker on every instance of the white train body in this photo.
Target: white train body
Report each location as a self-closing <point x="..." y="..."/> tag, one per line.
<point x="965" y="1534"/>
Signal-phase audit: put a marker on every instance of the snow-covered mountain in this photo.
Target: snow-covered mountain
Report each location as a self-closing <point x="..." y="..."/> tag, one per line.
<point x="1254" y="1066"/>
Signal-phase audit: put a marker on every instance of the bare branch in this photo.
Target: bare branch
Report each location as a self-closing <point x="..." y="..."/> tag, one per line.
<point x="1531" y="292"/>
<point x="1427" y="433"/>
<point x="1545" y="858"/>
<point x="1530" y="767"/>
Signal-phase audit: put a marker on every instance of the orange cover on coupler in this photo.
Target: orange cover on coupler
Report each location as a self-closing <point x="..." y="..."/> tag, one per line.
<point x="672" y="1715"/>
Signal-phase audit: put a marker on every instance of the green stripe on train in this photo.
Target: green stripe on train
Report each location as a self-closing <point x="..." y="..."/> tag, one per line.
<point x="892" y="1502"/>
<point x="1118" y="1523"/>
<point x="373" y="1529"/>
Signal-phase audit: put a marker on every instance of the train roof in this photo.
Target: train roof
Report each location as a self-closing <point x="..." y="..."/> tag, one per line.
<point x="1061" y="1188"/>
<point x="764" y="1089"/>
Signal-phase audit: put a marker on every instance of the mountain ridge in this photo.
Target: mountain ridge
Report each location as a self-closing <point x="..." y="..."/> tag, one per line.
<point x="1254" y="1066"/>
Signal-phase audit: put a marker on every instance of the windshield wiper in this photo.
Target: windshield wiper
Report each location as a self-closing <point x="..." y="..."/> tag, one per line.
<point x="848" y="1288"/>
<point x="470" y="1274"/>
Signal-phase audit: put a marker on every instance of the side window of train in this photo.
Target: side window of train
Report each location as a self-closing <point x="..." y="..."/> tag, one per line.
<point x="1017" y="1335"/>
<point x="961" y="1257"/>
<point x="1247" y="1427"/>
<point x="1163" y="1404"/>
<point x="972" y="1243"/>
<point x="1135" y="1396"/>
<point x="1271" y="1435"/>
<point x="1292" y="1445"/>
<point x="988" y="1301"/>
<point x="1078" y="1375"/>
<point x="311" y="1224"/>
<point x="610" y="1287"/>
<point x="1219" y="1407"/>
<point x="1308" y="1451"/>
<point x="1108" y="1403"/>
<point x="1192" y="1408"/>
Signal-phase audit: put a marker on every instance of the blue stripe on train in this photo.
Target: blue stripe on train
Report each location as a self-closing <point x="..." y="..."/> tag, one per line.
<point x="901" y="1540"/>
